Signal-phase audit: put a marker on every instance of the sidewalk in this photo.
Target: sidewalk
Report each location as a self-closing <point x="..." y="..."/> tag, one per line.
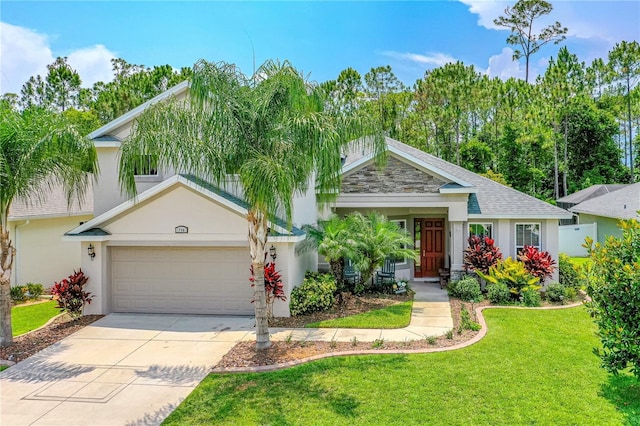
<point x="431" y="316"/>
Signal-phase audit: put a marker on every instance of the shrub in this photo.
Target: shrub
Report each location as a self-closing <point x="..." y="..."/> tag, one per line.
<point x="70" y="294"/>
<point x="498" y="293"/>
<point x="614" y="288"/>
<point x="316" y="293"/>
<point x="467" y="289"/>
<point x="481" y="254"/>
<point x="513" y="274"/>
<point x="35" y="290"/>
<point x="18" y="293"/>
<point x="537" y="263"/>
<point x="568" y="273"/>
<point x="556" y="292"/>
<point x="530" y="297"/>
<point x="273" y="287"/>
<point x="466" y="323"/>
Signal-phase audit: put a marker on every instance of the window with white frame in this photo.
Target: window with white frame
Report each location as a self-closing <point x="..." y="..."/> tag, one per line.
<point x="481" y="230"/>
<point x="402" y="224"/>
<point x="147" y="165"/>
<point x="527" y="234"/>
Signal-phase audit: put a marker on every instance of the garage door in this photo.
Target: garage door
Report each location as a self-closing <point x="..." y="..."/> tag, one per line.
<point x="181" y="280"/>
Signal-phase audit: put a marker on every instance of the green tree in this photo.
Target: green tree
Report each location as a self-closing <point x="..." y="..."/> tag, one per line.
<point x="476" y="156"/>
<point x="624" y="60"/>
<point x="271" y="130"/>
<point x="614" y="288"/>
<point x="520" y="20"/>
<point x="62" y="86"/>
<point x="37" y="147"/>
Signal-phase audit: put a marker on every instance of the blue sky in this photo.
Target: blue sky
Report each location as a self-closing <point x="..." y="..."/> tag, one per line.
<point x="320" y="38"/>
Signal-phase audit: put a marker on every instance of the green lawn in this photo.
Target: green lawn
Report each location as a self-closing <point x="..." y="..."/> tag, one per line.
<point x="394" y="316"/>
<point x="533" y="367"/>
<point x="29" y="317"/>
<point x="579" y="261"/>
<point x="3" y="367"/>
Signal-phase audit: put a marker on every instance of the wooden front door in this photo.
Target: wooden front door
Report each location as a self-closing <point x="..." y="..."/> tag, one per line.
<point x="429" y="241"/>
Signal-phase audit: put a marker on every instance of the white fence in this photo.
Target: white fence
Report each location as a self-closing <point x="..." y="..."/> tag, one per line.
<point x="571" y="238"/>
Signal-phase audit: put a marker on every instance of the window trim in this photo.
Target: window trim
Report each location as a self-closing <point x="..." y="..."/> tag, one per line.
<point x="396" y="221"/>
<point x="515" y="235"/>
<point x="480" y="223"/>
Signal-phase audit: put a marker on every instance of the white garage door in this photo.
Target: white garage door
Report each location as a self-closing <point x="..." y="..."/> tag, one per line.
<point x="181" y="280"/>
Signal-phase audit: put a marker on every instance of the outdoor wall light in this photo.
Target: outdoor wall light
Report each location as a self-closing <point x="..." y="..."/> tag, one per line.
<point x="91" y="252"/>
<point x="272" y="252"/>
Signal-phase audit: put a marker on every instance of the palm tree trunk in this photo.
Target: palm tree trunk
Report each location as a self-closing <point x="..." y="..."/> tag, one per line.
<point x="7" y="254"/>
<point x="257" y="243"/>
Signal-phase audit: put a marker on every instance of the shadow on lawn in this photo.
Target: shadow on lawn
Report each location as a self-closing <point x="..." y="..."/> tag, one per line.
<point x="224" y="396"/>
<point x="624" y="392"/>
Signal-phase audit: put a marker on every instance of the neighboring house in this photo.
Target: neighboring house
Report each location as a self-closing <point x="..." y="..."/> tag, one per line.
<point x="36" y="229"/>
<point x="583" y="195"/>
<point x="181" y="247"/>
<point x="606" y="211"/>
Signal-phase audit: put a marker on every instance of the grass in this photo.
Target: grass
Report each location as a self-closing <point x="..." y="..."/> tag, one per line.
<point x="3" y="367"/>
<point x="29" y="317"/>
<point x="533" y="367"/>
<point x="579" y="261"/>
<point x="394" y="316"/>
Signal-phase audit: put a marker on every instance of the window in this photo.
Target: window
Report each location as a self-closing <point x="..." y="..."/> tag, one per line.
<point x="402" y="224"/>
<point x="146" y="166"/>
<point x="527" y="234"/>
<point x="481" y="230"/>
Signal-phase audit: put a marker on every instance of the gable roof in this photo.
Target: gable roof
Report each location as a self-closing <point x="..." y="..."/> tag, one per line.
<point x="54" y="204"/>
<point x="488" y="199"/>
<point x="620" y="204"/>
<point x="589" y="193"/>
<point x="204" y="188"/>
<point x="136" y="112"/>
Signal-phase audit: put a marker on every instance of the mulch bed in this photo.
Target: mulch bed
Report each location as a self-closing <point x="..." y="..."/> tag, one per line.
<point x="245" y="355"/>
<point x="28" y="344"/>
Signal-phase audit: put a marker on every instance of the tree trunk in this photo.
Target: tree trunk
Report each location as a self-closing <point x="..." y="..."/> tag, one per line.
<point x="555" y="163"/>
<point x="630" y="127"/>
<point x="566" y="165"/>
<point x="337" y="269"/>
<point x="7" y="254"/>
<point x="257" y="243"/>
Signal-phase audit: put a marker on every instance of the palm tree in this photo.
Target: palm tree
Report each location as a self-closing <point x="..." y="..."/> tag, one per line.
<point x="378" y="239"/>
<point x="38" y="150"/>
<point x="272" y="130"/>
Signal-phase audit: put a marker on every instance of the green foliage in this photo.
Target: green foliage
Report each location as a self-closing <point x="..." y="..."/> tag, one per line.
<point x="498" y="293"/>
<point x="466" y="323"/>
<point x="476" y="156"/>
<point x="556" y="292"/>
<point x="316" y="293"/>
<point x="18" y="293"/>
<point x="529" y="296"/>
<point x="614" y="288"/>
<point x="467" y="289"/>
<point x="513" y="274"/>
<point x="568" y="273"/>
<point x="35" y="290"/>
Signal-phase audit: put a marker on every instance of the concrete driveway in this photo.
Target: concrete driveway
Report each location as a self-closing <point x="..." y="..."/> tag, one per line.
<point x="125" y="369"/>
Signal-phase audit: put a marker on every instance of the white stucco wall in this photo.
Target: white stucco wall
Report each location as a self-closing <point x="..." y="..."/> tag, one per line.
<point x="41" y="255"/>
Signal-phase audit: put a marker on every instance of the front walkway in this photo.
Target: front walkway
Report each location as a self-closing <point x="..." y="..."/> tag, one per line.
<point x="431" y="316"/>
<point x="135" y="369"/>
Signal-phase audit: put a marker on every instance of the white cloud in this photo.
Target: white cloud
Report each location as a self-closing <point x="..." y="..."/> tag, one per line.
<point x="435" y="59"/>
<point x="25" y="53"/>
<point x="504" y="67"/>
<point x="612" y="21"/>
<point x="92" y="63"/>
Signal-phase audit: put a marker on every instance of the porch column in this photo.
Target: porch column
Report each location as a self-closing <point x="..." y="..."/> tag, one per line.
<point x="457" y="248"/>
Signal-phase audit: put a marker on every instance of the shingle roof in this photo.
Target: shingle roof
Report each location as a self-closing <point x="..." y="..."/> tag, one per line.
<point x="620" y="204"/>
<point x="54" y="204"/>
<point x="589" y="193"/>
<point x="491" y="198"/>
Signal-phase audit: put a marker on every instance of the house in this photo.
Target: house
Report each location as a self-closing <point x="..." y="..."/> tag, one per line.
<point x="583" y="195"/>
<point x="36" y="227"/>
<point x="181" y="245"/>
<point x="605" y="211"/>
